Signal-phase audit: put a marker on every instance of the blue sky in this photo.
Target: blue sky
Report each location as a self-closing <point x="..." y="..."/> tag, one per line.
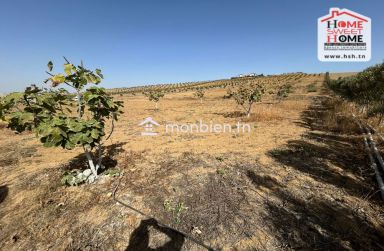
<point x="152" y="41"/>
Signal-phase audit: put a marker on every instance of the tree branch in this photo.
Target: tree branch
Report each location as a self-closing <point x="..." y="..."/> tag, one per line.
<point x="112" y="126"/>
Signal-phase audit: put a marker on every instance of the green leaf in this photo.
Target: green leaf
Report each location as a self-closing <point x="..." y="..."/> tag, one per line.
<point x="88" y="96"/>
<point x="10" y="99"/>
<point x="93" y="78"/>
<point x="57" y="121"/>
<point x="86" y="138"/>
<point x="68" y="69"/>
<point x="43" y="129"/>
<point x="69" y="145"/>
<point x="95" y="133"/>
<point x="98" y="72"/>
<point x="56" y="135"/>
<point x="58" y="79"/>
<point x="75" y="138"/>
<point x="88" y="78"/>
<point x="50" y="66"/>
<point x="110" y="103"/>
<point x="26" y="117"/>
<point x="48" y="144"/>
<point x="75" y="126"/>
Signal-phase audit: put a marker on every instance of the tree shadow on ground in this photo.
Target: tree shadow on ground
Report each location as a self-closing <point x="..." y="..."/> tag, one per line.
<point x="140" y="238"/>
<point x="311" y="223"/>
<point x="331" y="164"/>
<point x="328" y="157"/>
<point x="3" y="193"/>
<point x="312" y="219"/>
<point x="80" y="161"/>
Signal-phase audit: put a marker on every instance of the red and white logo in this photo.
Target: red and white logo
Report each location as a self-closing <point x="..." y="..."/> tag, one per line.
<point x="343" y="36"/>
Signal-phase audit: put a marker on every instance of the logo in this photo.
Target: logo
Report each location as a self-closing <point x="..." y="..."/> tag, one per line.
<point x="148" y="125"/>
<point x="343" y="36"/>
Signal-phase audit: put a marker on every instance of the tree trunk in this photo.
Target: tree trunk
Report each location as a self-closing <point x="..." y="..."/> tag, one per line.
<point x="156" y="105"/>
<point x="90" y="163"/>
<point x="249" y="111"/>
<point x="201" y="101"/>
<point x="100" y="156"/>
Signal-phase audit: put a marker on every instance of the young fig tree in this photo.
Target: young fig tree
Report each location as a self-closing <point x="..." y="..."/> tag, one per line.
<point x="283" y="91"/>
<point x="63" y="119"/>
<point x="154" y="96"/>
<point x="199" y="94"/>
<point x="246" y="95"/>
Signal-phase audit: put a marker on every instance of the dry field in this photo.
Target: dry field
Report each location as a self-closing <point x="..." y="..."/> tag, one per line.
<point x="300" y="180"/>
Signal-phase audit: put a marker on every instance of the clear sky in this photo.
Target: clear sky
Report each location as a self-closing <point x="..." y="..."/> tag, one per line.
<point x="152" y="41"/>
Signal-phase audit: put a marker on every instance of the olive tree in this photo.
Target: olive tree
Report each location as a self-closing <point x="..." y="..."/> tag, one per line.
<point x="63" y="119"/>
<point x="155" y="96"/>
<point x="246" y="95"/>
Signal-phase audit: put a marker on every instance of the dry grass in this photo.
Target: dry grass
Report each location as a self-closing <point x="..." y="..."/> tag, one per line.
<point x="276" y="111"/>
<point x="338" y="117"/>
<point x="265" y="114"/>
<point x="3" y="125"/>
<point x="293" y="105"/>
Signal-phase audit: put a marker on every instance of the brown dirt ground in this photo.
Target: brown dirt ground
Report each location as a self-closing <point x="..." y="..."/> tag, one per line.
<point x="299" y="181"/>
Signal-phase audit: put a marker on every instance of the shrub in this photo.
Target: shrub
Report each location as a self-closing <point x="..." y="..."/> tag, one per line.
<point x="366" y="88"/>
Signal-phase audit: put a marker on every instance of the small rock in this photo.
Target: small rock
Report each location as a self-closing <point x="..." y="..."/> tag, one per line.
<point x="196" y="230"/>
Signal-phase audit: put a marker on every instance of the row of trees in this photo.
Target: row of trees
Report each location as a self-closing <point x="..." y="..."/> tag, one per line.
<point x="246" y="92"/>
<point x="156" y="95"/>
<point x="223" y="83"/>
<point x="365" y="89"/>
<point x="245" y="95"/>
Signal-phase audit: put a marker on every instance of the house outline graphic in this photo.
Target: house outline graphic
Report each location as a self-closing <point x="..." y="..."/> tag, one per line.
<point x="148" y="125"/>
<point x="336" y="12"/>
